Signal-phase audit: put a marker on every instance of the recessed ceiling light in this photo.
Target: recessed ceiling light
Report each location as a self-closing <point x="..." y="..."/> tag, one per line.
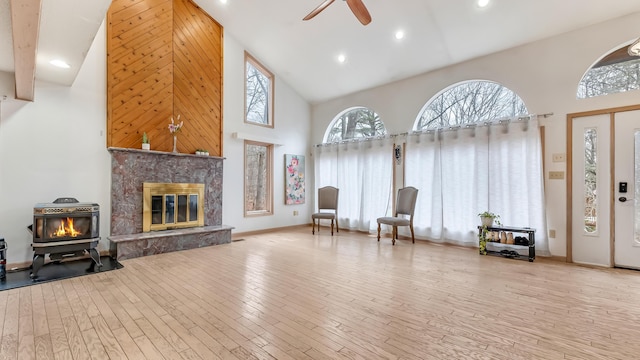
<point x="399" y="34"/>
<point x="223" y="1"/>
<point x="483" y="3"/>
<point x="59" y="63"/>
<point x="342" y="58"/>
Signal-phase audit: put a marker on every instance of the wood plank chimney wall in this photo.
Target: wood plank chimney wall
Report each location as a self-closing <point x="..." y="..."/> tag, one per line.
<point x="164" y="59"/>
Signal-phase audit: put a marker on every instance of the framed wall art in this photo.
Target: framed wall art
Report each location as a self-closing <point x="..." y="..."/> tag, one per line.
<point x="294" y="179"/>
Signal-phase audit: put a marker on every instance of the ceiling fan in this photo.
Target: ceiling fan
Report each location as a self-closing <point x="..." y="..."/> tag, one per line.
<point x="356" y="6"/>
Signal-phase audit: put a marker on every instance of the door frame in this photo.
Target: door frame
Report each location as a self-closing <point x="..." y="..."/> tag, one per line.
<point x="569" y="178"/>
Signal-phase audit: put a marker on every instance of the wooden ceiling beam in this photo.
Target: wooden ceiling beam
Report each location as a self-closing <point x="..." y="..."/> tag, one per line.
<point x="25" y="26"/>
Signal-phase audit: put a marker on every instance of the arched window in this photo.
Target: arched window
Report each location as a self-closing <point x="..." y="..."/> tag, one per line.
<point x="355" y="123"/>
<point x="469" y="102"/>
<point x="616" y="72"/>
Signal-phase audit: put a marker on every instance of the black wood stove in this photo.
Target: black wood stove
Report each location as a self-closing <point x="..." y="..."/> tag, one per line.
<point x="65" y="228"/>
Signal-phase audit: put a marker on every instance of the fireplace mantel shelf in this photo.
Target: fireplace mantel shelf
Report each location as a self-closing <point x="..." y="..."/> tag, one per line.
<point x="155" y="152"/>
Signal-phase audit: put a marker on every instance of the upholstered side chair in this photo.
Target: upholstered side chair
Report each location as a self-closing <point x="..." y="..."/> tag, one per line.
<point x="405" y="206"/>
<point x="327" y="208"/>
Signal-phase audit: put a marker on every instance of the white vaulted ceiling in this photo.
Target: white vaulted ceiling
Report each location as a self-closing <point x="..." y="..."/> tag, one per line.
<point x="303" y="53"/>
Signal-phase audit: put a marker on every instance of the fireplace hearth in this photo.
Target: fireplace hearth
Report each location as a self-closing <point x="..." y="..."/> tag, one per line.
<point x="64" y="228"/>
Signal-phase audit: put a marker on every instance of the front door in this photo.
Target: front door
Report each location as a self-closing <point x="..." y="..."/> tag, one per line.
<point x="605" y="188"/>
<point x="590" y="188"/>
<point x="627" y="190"/>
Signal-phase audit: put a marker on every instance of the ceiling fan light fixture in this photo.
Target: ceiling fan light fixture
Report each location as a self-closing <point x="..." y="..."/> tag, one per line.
<point x="634" y="49"/>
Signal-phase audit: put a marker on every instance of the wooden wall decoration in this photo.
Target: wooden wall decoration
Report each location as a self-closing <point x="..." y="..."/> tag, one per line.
<point x="164" y="59"/>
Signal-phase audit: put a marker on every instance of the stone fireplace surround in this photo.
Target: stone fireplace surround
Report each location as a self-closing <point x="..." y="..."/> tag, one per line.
<point x="130" y="168"/>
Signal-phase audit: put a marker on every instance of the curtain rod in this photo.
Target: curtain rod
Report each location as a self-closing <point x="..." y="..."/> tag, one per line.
<point x="456" y="127"/>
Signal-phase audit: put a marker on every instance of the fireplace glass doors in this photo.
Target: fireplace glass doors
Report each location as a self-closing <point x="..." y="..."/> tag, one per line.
<point x="172" y="205"/>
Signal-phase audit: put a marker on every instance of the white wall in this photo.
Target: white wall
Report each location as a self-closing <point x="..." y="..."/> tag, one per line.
<point x="545" y="74"/>
<point x="56" y="147"/>
<point x="291" y="130"/>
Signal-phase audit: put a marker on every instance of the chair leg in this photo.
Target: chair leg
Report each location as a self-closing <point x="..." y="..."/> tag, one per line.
<point x="331" y="227"/>
<point x="313" y="226"/>
<point x="378" y="232"/>
<point x="394" y="233"/>
<point x="413" y="239"/>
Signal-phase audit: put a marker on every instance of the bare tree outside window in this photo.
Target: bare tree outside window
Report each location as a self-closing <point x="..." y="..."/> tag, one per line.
<point x="258" y="93"/>
<point x="590" y="181"/>
<point x="257" y="184"/>
<point x="470" y="102"/>
<point x="356" y="123"/>
<point x="610" y="79"/>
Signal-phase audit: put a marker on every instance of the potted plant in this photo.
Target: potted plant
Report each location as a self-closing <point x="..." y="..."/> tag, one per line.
<point x="145" y="142"/>
<point x="488" y="218"/>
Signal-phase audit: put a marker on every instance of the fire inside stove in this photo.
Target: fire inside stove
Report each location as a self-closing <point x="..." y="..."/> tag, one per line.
<point x="65" y="221"/>
<point x="66" y="228"/>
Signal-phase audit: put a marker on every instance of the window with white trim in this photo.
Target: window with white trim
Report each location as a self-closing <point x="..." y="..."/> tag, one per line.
<point x="355" y="123"/>
<point x="616" y="72"/>
<point x="469" y="102"/>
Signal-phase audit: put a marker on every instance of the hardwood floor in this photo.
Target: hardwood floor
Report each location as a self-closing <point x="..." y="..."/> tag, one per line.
<point x="291" y="295"/>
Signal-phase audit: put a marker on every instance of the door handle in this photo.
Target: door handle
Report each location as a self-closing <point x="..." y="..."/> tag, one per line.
<point x="623" y="199"/>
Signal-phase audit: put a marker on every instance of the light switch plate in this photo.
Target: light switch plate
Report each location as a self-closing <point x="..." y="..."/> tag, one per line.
<point x="559" y="157"/>
<point x="556" y="175"/>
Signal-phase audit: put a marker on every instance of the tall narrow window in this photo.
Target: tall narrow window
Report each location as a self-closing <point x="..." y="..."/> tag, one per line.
<point x="259" y="89"/>
<point x="258" y="189"/>
<point x="590" y="181"/>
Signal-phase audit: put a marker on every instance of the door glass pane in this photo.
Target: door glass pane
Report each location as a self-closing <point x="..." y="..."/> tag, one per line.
<point x="636" y="187"/>
<point x="590" y="181"/>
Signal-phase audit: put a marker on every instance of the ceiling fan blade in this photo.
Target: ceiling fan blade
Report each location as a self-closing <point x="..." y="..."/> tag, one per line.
<point x="360" y="11"/>
<point x="317" y="10"/>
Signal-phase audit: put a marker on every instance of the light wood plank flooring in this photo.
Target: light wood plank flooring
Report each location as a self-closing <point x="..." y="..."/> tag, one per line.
<point x="291" y="295"/>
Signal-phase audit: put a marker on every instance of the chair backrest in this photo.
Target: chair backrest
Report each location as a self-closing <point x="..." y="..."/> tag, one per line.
<point x="406" y="201"/>
<point x="328" y="198"/>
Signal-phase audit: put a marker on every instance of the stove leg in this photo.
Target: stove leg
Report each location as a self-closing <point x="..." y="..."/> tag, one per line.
<point x="38" y="261"/>
<point x="95" y="256"/>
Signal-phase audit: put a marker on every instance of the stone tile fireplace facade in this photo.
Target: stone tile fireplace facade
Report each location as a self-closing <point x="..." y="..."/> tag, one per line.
<point x="130" y="169"/>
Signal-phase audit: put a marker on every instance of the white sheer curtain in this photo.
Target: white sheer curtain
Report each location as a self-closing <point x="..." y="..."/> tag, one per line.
<point x="516" y="188"/>
<point x="465" y="178"/>
<point x="363" y="171"/>
<point x="463" y="172"/>
<point x="423" y="159"/>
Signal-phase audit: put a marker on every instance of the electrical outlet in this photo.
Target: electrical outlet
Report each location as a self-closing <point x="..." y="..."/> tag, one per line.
<point x="558" y="157"/>
<point x="556" y="175"/>
<point x="552" y="234"/>
<point x="295" y="212"/>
